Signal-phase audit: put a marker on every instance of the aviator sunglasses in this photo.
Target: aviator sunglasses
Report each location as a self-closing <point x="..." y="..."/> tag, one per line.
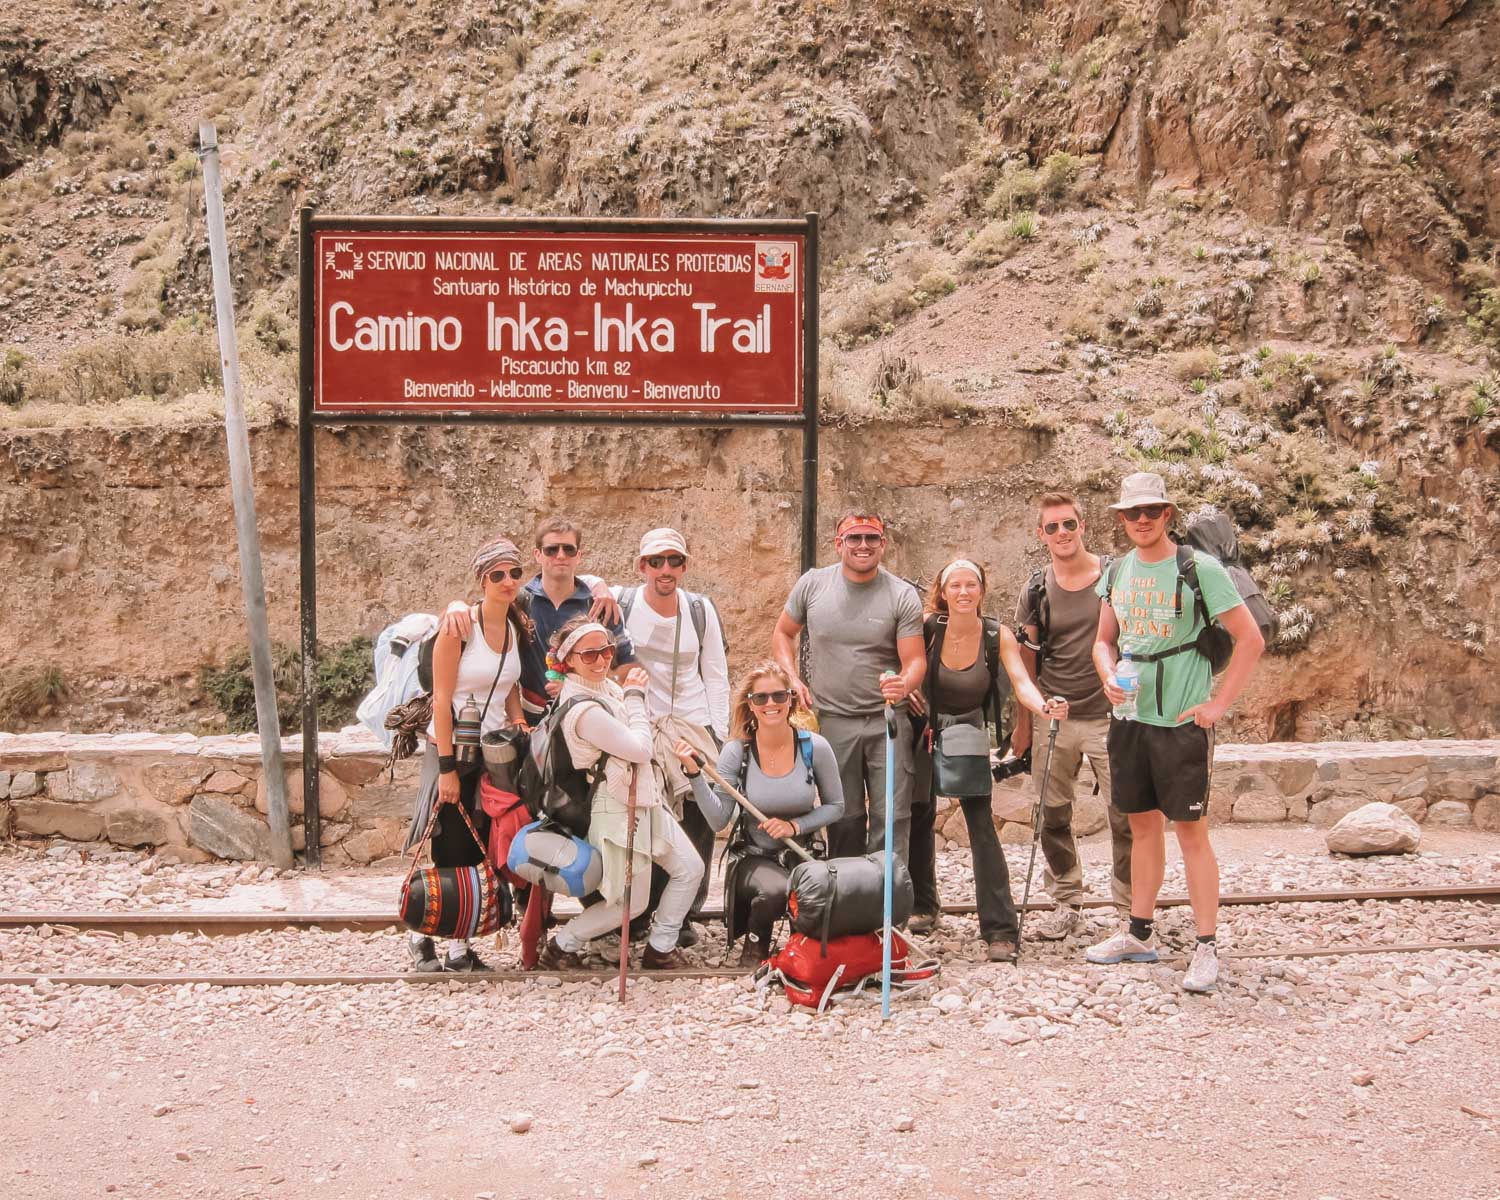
<point x="656" y="561"/>
<point x="863" y="539"/>
<point x="1150" y="511"/>
<point x="566" y="549"/>
<point x="499" y="573"/>
<point x="592" y="656"/>
<point x="761" y="699"/>
<point x="1051" y="527"/>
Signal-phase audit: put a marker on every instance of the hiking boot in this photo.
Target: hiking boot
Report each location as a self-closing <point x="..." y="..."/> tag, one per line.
<point x="554" y="958"/>
<point x="754" y="952"/>
<point x="466" y="962"/>
<point x="423" y="956"/>
<point x="653" y="959"/>
<point x="1203" y="972"/>
<point x="1123" y="948"/>
<point x="1062" y="922"/>
<point x="688" y="935"/>
<point x="923" y="923"/>
<point x="1001" y="950"/>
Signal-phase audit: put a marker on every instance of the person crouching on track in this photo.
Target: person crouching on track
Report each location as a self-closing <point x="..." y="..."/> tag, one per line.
<point x="484" y="665"/>
<point x="789" y="774"/>
<point x="973" y="662"/>
<point x="618" y="728"/>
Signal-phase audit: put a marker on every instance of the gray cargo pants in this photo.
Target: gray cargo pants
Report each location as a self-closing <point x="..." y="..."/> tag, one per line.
<point x="859" y="746"/>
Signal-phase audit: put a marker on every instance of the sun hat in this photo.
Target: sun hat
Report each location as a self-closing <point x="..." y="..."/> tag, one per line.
<point x="1142" y="488"/>
<point x="662" y="541"/>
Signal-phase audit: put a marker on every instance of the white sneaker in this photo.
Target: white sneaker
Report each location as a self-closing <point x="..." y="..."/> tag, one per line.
<point x="1203" y="972"/>
<point x="1063" y="921"/>
<point x="1123" y="947"/>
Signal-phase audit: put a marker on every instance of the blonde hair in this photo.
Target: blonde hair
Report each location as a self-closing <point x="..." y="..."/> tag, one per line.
<point x="741" y="719"/>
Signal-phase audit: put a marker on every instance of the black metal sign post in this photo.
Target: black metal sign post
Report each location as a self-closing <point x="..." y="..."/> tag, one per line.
<point x="805" y="416"/>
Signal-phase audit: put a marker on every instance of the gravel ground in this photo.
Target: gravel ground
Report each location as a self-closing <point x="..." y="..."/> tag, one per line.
<point x="1368" y="1076"/>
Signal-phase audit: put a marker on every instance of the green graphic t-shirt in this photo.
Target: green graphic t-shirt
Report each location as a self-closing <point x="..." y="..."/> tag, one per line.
<point x="1143" y="603"/>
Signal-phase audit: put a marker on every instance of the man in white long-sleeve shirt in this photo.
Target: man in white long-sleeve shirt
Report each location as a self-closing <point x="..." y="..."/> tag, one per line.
<point x="677" y="636"/>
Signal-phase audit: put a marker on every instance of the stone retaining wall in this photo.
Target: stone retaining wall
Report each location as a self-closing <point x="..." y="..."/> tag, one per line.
<point x="203" y="797"/>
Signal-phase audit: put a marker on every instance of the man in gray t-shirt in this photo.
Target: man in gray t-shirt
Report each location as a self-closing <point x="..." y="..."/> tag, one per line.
<point x="861" y="622"/>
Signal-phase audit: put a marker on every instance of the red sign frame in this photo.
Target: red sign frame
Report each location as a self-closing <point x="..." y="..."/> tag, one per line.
<point x="436" y="320"/>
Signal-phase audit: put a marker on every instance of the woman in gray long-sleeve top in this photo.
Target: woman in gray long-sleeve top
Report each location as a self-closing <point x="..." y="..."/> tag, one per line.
<point x="791" y="776"/>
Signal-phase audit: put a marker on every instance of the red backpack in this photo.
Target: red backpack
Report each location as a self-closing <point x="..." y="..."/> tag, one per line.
<point x="812" y="971"/>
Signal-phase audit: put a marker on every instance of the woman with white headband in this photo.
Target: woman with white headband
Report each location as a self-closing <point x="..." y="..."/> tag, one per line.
<point x="972" y="663"/>
<point x="617" y="728"/>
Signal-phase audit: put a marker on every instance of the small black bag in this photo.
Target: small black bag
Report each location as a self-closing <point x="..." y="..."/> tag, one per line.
<point x="960" y="759"/>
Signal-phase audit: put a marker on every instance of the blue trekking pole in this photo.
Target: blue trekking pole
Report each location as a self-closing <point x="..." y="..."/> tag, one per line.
<point x="890" y="857"/>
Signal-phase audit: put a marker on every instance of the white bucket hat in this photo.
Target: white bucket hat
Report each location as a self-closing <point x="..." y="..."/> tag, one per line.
<point x="662" y="541"/>
<point x="1142" y="488"/>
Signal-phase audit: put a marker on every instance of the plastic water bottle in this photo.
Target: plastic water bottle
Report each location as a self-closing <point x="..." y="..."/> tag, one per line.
<point x="1128" y="680"/>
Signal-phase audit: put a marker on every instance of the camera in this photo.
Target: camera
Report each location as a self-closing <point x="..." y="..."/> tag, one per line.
<point x="1010" y="765"/>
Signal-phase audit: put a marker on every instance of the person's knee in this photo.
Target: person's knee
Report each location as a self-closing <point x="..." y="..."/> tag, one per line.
<point x="1145" y="826"/>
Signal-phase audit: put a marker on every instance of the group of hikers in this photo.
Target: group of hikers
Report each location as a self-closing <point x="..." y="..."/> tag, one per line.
<point x="653" y="657"/>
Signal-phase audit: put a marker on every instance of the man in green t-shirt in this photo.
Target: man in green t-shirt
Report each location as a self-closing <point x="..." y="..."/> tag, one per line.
<point x="1161" y="759"/>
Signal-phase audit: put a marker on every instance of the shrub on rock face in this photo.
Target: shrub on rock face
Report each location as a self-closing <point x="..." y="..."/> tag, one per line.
<point x="1375" y="828"/>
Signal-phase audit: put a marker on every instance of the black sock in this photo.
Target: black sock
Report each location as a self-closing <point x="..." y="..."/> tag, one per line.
<point x="1141" y="927"/>
<point x="1207" y="939"/>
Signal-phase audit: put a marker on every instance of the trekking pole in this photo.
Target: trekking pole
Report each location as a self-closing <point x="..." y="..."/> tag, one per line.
<point x="629" y="879"/>
<point x="1036" y="833"/>
<point x="890" y="859"/>
<point x="739" y="798"/>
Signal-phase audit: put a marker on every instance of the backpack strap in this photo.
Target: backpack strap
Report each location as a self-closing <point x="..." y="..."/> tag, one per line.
<point x="627" y="602"/>
<point x="1037" y="603"/>
<point x="934" y="630"/>
<point x="990" y="644"/>
<point x="805" y="747"/>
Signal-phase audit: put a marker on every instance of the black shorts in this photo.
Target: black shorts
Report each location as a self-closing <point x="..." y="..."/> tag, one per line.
<point x="1160" y="768"/>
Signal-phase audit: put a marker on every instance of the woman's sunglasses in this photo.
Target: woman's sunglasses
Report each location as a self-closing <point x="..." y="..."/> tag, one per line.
<point x="656" y="561"/>
<point x="1052" y="527"/>
<point x="606" y="651"/>
<point x="761" y="699"/>
<point x="499" y="573"/>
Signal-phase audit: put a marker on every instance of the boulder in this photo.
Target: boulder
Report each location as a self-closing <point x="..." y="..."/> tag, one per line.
<point x="23" y="784"/>
<point x="92" y="781"/>
<point x="170" y="781"/>
<point x="221" y="828"/>
<point x="1487" y="814"/>
<point x="1375" y="829"/>
<point x="1257" y="807"/>
<point x="49" y="818"/>
<point x="224" y="782"/>
<point x="1330" y="812"/>
<point x="294" y="803"/>
<point x="355" y="769"/>
<point x="1450" y="812"/>
<point x="141" y="825"/>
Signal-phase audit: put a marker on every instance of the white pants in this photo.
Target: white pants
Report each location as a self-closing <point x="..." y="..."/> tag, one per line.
<point x="684" y="869"/>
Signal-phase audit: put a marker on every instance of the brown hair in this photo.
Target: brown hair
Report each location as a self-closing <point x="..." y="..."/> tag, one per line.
<point x="741" y="719"/>
<point x="556" y="525"/>
<point x="936" y="602"/>
<point x="564" y="633"/>
<point x="1057" y="500"/>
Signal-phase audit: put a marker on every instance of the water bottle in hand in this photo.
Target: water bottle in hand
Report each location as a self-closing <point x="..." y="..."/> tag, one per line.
<point x="1128" y="680"/>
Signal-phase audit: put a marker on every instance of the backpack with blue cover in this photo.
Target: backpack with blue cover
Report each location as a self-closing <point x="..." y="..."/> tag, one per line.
<point x="545" y="855"/>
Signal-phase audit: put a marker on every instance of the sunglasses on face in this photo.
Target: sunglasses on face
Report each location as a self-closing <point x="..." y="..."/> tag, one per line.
<point x="1051" y="527"/>
<point x="499" y="573"/>
<point x="863" y="539"/>
<point x="566" y="549"/>
<point x="657" y="561"/>
<point x="761" y="699"/>
<point x="1151" y="512"/>
<point x="606" y="651"/>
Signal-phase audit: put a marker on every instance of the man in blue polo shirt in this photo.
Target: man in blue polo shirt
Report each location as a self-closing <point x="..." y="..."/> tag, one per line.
<point x="553" y="598"/>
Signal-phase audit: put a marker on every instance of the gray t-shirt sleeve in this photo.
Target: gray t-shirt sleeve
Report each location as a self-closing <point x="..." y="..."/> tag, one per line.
<point x="1026" y="613"/>
<point x="908" y="612"/>
<point x="713" y="801"/>
<point x="799" y="598"/>
<point x="830" y="788"/>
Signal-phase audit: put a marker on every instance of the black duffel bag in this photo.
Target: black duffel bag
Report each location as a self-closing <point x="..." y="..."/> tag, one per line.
<point x="836" y="897"/>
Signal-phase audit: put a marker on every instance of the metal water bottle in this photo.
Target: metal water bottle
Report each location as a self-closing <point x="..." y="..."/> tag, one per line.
<point x="466" y="734"/>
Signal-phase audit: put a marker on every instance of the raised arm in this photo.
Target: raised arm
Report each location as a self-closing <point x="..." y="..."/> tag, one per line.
<point x="784" y="650"/>
<point x="715" y="671"/>
<point x="630" y="740"/>
<point x="717" y="807"/>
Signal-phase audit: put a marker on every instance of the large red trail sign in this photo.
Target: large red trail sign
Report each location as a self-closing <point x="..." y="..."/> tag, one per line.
<point x="436" y="321"/>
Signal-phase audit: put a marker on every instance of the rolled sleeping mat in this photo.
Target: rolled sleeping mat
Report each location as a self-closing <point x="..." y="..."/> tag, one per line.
<point x="838" y="897"/>
<point x="544" y="855"/>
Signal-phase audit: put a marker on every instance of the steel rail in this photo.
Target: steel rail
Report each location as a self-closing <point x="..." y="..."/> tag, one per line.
<point x="605" y="974"/>
<point x="218" y="923"/>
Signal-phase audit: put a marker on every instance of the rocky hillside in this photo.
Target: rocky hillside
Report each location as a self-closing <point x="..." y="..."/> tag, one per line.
<point x="1252" y="246"/>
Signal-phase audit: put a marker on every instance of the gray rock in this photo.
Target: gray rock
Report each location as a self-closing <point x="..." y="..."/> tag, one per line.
<point x="220" y="827"/>
<point x="92" y="781"/>
<point x="140" y="826"/>
<point x="1450" y="812"/>
<point x="4" y="784"/>
<point x="1375" y="829"/>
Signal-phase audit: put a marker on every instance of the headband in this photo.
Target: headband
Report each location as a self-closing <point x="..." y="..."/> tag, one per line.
<point x="491" y="554"/>
<point x="871" y="521"/>
<point x="565" y="648"/>
<point x="960" y="564"/>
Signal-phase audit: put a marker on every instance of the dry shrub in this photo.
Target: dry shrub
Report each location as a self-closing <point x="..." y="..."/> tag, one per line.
<point x="175" y="361"/>
<point x="1058" y="173"/>
<point x="1018" y="187"/>
<point x="992" y="244"/>
<point x="1199" y="363"/>
<point x="869" y="309"/>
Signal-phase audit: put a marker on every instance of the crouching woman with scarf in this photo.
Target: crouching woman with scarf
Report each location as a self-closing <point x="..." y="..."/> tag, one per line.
<point x="612" y="722"/>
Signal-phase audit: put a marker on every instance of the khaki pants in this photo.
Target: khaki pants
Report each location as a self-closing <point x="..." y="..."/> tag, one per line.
<point x="1077" y="739"/>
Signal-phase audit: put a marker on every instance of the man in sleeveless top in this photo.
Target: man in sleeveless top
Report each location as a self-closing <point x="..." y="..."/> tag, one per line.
<point x="864" y="628"/>
<point x="1062" y="623"/>
<point x="688" y="693"/>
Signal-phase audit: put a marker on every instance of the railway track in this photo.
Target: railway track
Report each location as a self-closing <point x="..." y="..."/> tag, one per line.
<point x="230" y="924"/>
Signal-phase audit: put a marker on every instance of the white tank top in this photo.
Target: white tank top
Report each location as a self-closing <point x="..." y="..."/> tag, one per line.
<point x="476" y="671"/>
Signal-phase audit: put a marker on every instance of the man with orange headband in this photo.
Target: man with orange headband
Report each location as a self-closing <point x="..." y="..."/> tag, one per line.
<point x="864" y="635"/>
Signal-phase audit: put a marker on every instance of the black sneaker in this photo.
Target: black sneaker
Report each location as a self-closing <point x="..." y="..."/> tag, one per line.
<point x="423" y="956"/>
<point x="468" y="961"/>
